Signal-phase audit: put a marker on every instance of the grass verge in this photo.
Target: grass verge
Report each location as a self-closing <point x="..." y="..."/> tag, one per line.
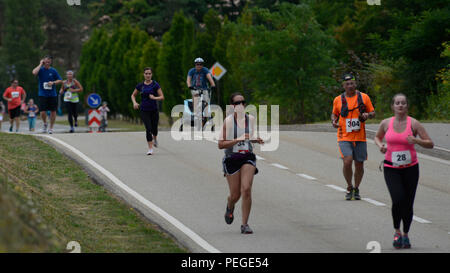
<point x="47" y="200"/>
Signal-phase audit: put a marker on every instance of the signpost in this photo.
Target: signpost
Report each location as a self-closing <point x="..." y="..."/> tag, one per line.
<point x="217" y="71"/>
<point x="94" y="100"/>
<point x="94" y="120"/>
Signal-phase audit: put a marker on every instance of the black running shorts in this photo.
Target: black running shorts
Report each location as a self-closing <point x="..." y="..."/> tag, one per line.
<point x="14" y="113"/>
<point x="48" y="103"/>
<point x="232" y="164"/>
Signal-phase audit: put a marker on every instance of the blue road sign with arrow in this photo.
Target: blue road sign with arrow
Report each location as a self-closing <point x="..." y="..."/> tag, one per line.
<point x="94" y="100"/>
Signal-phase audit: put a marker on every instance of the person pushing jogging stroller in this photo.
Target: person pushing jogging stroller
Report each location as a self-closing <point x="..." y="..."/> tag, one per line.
<point x="197" y="81"/>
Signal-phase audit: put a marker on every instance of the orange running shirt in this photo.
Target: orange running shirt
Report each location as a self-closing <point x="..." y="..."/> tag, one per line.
<point x="350" y="129"/>
<point x="15" y="95"/>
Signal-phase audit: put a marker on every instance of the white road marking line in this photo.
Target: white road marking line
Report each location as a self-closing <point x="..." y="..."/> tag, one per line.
<point x="260" y="158"/>
<point x="336" y="188"/>
<point x="442" y="149"/>
<point x="443" y="161"/>
<point x="191" y="234"/>
<point x="306" y="176"/>
<point x="420" y="220"/>
<point x="374" y="202"/>
<point x="279" y="166"/>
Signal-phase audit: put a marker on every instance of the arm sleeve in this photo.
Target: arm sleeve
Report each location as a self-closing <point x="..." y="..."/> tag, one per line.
<point x="139" y="87"/>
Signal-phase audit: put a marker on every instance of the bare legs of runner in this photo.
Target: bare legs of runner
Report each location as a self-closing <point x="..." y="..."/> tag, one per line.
<point x="240" y="184"/>
<point x="348" y="171"/>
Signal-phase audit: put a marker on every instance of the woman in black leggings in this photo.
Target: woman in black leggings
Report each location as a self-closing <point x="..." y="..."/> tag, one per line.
<point x="71" y="88"/>
<point x="150" y="93"/>
<point x="401" y="168"/>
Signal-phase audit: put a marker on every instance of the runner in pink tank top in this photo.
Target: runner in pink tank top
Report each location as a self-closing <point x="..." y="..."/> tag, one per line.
<point x="400" y="153"/>
<point x="401" y="168"/>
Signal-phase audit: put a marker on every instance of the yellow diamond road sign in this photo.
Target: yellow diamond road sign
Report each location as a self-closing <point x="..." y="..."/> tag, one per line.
<point x="218" y="71"/>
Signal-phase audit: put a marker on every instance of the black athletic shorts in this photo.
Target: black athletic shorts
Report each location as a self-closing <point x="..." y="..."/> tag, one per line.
<point x="232" y="164"/>
<point x="14" y="113"/>
<point x="48" y="103"/>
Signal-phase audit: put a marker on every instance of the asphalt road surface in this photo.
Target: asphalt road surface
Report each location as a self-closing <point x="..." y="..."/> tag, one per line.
<point x="298" y="203"/>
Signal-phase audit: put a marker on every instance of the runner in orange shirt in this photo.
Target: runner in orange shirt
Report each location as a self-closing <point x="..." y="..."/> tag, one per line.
<point x="15" y="95"/>
<point x="350" y="111"/>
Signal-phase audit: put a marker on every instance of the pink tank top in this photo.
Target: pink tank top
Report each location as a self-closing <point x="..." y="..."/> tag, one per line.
<point x="399" y="151"/>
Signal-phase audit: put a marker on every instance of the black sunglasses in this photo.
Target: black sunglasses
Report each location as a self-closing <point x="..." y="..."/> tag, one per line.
<point x="239" y="102"/>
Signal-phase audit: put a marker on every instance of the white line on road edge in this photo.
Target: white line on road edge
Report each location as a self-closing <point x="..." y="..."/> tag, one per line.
<point x="260" y="158"/>
<point x="443" y="161"/>
<point x="420" y="220"/>
<point x="197" y="239"/>
<point x="279" y="166"/>
<point x="376" y="203"/>
<point x="442" y="149"/>
<point x="306" y="176"/>
<point x="336" y="188"/>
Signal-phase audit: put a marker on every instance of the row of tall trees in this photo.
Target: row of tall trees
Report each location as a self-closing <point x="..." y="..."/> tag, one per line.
<point x="281" y="57"/>
<point x="286" y="52"/>
<point x="112" y="64"/>
<point x="30" y="29"/>
<point x="21" y="40"/>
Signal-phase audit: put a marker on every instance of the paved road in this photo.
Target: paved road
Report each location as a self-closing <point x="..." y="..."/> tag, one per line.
<point x="290" y="213"/>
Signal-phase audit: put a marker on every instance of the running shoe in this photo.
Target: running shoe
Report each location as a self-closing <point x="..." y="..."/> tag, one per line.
<point x="76" y="123"/>
<point x="10" y="128"/>
<point x="44" y="128"/>
<point x="398" y="241"/>
<point x="245" y="229"/>
<point x="405" y="242"/>
<point x="349" y="194"/>
<point x="150" y="152"/>
<point x="229" y="215"/>
<point x="72" y="130"/>
<point x="50" y="131"/>
<point x="356" y="194"/>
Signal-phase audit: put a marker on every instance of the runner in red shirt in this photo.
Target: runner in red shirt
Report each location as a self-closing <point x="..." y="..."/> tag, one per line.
<point x="15" y="95"/>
